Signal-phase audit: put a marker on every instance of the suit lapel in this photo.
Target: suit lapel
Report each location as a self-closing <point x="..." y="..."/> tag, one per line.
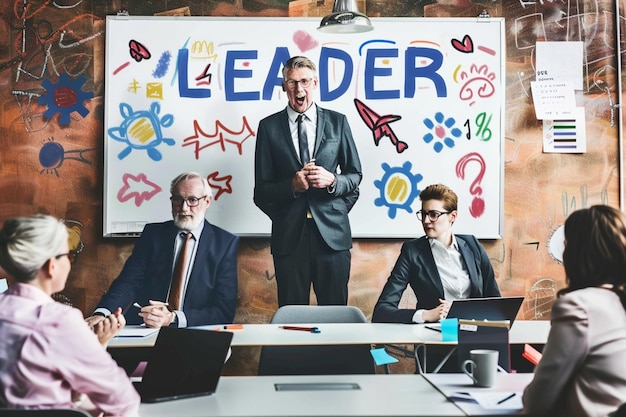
<point x="428" y="262"/>
<point x="202" y="249"/>
<point x="466" y="254"/>
<point x="321" y="121"/>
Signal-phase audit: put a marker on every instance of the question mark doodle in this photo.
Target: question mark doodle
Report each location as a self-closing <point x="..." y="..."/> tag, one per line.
<point x="477" y="207"/>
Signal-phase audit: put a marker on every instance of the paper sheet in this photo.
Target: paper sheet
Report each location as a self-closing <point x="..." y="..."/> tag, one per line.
<point x="491" y="400"/>
<point x="136" y="331"/>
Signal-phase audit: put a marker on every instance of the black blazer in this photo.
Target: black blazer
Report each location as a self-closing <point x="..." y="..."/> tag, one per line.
<point x="276" y="161"/>
<point x="416" y="267"/>
<point x="211" y="295"/>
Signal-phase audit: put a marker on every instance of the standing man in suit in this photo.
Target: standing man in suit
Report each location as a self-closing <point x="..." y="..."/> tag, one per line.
<point x="439" y="267"/>
<point x="307" y="175"/>
<point x="208" y="293"/>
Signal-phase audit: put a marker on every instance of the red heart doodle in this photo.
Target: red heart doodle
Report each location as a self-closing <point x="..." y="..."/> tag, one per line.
<point x="466" y="46"/>
<point x="138" y="51"/>
<point x="304" y="40"/>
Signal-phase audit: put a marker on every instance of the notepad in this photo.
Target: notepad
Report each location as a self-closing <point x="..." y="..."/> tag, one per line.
<point x="136" y="331"/>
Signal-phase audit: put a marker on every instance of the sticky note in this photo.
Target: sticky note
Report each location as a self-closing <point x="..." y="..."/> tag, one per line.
<point x="381" y="357"/>
<point x="450" y="330"/>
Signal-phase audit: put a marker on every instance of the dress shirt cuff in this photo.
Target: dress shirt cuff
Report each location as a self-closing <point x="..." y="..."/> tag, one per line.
<point x="181" y="319"/>
<point x="418" y="317"/>
<point x="332" y="187"/>
<point x="101" y="311"/>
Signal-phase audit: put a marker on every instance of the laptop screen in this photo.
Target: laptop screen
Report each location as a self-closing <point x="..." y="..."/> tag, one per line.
<point x="491" y="308"/>
<point x="184" y="363"/>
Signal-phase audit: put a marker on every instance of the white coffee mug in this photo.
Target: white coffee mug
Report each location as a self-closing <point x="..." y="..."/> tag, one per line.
<point x="483" y="367"/>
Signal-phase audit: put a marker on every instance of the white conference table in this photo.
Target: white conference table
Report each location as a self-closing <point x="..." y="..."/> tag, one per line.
<point x="506" y="384"/>
<point x="257" y="396"/>
<point x="345" y="333"/>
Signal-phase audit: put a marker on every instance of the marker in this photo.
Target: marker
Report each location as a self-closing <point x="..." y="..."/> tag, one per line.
<point x="139" y="306"/>
<point x="233" y="327"/>
<point x="506" y="398"/>
<point x="304" y="329"/>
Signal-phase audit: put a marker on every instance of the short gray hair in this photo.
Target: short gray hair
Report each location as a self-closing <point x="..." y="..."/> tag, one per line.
<point x="27" y="243"/>
<point x="188" y="176"/>
<point x="299" y="62"/>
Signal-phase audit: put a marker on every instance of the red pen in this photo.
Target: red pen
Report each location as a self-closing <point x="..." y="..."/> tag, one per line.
<point x="304" y="329"/>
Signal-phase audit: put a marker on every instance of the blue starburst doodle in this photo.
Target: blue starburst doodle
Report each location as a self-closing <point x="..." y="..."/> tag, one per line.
<point x="141" y="130"/>
<point x="65" y="97"/>
<point x="442" y="132"/>
<point x="398" y="188"/>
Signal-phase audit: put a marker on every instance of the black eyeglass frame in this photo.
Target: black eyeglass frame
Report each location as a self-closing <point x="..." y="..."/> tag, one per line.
<point x="432" y="213"/>
<point x="191" y="201"/>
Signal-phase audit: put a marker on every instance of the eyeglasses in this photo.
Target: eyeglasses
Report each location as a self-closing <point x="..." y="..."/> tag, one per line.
<point x="71" y="255"/>
<point x="433" y="215"/>
<point x="305" y="82"/>
<point x="191" y="201"/>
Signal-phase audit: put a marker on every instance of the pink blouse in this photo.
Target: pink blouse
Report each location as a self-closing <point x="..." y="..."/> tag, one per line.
<point x="47" y="351"/>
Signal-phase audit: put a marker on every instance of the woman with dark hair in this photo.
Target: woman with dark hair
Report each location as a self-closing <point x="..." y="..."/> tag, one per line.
<point x="583" y="368"/>
<point x="49" y="356"/>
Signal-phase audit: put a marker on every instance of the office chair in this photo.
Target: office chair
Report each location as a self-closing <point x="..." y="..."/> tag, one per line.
<point x="319" y="359"/>
<point x="56" y="412"/>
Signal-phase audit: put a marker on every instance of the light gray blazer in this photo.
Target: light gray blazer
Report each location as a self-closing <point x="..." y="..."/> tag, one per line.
<point x="583" y="369"/>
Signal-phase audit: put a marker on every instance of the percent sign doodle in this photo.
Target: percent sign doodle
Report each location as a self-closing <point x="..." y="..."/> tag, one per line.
<point x="484" y="131"/>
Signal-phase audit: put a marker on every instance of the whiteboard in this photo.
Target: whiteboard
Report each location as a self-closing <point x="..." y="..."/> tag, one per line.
<point x="424" y="98"/>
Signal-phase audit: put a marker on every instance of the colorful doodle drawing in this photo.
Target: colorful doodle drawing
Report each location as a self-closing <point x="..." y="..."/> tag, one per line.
<point x="221" y="184"/>
<point x="466" y="45"/>
<point x="52" y="155"/>
<point x="304" y="40"/>
<point x="442" y="132"/>
<point x="137" y="187"/>
<point x="379" y="125"/>
<point x="222" y="136"/>
<point x="478" y="82"/>
<point x="65" y="97"/>
<point x="477" y="207"/>
<point x="398" y="188"/>
<point x="141" y="130"/>
<point x="137" y="51"/>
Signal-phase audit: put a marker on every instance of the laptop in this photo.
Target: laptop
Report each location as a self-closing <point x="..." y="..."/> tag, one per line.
<point x="184" y="363"/>
<point x="491" y="308"/>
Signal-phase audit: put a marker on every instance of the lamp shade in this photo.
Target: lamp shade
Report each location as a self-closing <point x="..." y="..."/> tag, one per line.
<point x="345" y="18"/>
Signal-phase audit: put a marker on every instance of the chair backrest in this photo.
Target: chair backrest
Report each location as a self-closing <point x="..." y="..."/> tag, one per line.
<point x="319" y="359"/>
<point x="56" y="412"/>
<point x="297" y="314"/>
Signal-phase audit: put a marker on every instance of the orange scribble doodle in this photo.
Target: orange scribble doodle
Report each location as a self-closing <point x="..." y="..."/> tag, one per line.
<point x="222" y="136"/>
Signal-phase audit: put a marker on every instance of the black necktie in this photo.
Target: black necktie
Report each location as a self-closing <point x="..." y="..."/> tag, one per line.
<point x="302" y="140"/>
<point x="173" y="300"/>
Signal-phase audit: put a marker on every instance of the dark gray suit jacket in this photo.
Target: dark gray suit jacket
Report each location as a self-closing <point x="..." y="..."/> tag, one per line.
<point x="416" y="267"/>
<point x="276" y="162"/>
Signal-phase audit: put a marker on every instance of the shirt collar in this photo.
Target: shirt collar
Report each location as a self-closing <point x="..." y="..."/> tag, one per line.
<point x="311" y="113"/>
<point x="29" y="291"/>
<point x="454" y="245"/>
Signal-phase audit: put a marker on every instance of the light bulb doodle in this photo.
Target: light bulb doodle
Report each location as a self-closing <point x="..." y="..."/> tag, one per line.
<point x="141" y="130"/>
<point x="65" y="97"/>
<point x="443" y="132"/>
<point x="477" y="208"/>
<point x="398" y="188"/>
<point x="52" y="155"/>
<point x="379" y="125"/>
